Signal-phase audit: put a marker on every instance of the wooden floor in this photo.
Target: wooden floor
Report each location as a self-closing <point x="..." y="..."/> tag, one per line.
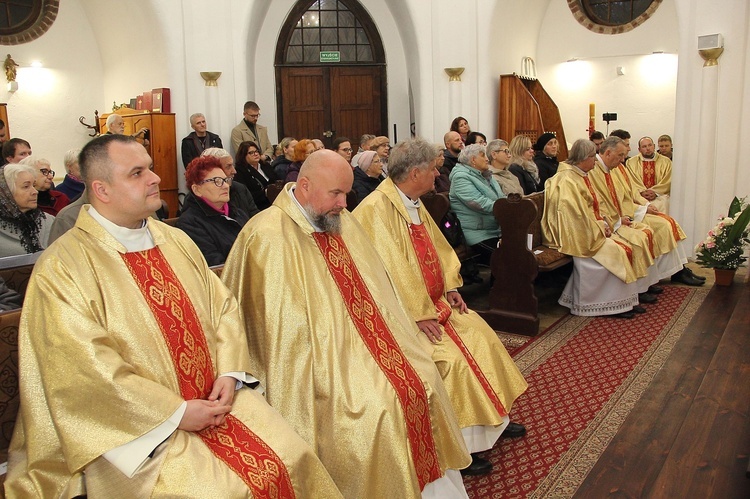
<point x="689" y="435"/>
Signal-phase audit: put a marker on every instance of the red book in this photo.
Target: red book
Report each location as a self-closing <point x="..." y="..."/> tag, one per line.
<point x="139" y="102"/>
<point x="147" y="100"/>
<point x="161" y="102"/>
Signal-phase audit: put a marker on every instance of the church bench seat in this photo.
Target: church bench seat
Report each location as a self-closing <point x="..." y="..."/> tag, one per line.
<point x="9" y="399"/>
<point x="513" y="305"/>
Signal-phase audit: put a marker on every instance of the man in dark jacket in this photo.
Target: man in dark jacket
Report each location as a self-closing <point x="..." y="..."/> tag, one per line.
<point x="199" y="140"/>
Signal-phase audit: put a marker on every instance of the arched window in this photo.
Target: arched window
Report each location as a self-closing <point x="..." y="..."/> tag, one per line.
<point x="612" y="16"/>
<point x="22" y="21"/>
<point x="328" y="27"/>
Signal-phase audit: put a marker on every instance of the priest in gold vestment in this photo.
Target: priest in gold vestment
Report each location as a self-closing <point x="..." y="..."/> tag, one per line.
<point x="340" y="358"/>
<point x="651" y="174"/>
<point x="481" y="378"/>
<point x="133" y="365"/>
<point x="603" y="280"/>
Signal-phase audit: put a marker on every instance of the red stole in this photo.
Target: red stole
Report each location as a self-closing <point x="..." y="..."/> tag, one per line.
<point x="649" y="173"/>
<point x="379" y="340"/>
<point x="432" y="273"/>
<point x="233" y="442"/>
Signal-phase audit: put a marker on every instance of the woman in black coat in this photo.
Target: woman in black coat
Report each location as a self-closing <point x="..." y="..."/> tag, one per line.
<point x="208" y="217"/>
<point x="367" y="174"/>
<point x="253" y="173"/>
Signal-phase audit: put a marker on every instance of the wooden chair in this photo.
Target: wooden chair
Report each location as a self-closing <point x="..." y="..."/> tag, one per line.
<point x="171" y="221"/>
<point x="17" y="278"/>
<point x="273" y="190"/>
<point x="9" y="399"/>
<point x="513" y="305"/>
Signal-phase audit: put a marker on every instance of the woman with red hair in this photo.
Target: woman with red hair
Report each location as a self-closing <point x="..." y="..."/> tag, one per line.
<point x="302" y="150"/>
<point x="211" y="221"/>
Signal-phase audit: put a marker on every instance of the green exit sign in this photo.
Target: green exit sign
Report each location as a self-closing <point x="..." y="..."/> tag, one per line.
<point x="332" y="56"/>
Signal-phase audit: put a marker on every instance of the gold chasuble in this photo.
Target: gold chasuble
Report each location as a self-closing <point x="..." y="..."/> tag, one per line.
<point x="339" y="357"/>
<point x="572" y="223"/>
<point x="481" y="378"/>
<point x="655" y="174"/>
<point x="111" y="343"/>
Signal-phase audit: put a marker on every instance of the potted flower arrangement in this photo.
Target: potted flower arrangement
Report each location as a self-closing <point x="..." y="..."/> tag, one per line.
<point x="723" y="249"/>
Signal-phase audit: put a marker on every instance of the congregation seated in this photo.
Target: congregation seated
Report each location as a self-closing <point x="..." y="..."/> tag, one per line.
<point x="523" y="166"/>
<point x="72" y="185"/>
<point x="473" y="194"/>
<point x="281" y="163"/>
<point x="253" y="173"/>
<point x="208" y="216"/>
<point x="24" y="228"/>
<point x="367" y="175"/>
<point x="302" y="150"/>
<point x="49" y="200"/>
<point x="499" y="156"/>
<point x="241" y="196"/>
<point x="545" y="156"/>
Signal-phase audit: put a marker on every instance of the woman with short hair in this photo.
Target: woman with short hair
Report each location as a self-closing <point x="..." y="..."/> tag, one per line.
<point x="302" y="150"/>
<point x="208" y="216"/>
<point x="24" y="228"/>
<point x="499" y="154"/>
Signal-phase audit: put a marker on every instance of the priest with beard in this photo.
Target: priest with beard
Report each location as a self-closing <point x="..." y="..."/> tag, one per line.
<point x="339" y="356"/>
<point x="651" y="174"/>
<point x="481" y="378"/>
<point x="134" y="372"/>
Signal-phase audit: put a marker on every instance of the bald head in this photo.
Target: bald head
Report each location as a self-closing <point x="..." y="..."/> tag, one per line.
<point x="323" y="183"/>
<point x="453" y="143"/>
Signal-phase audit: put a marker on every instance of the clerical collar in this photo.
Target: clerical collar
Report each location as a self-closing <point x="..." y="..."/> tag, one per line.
<point x="585" y="174"/>
<point x="304" y="212"/>
<point x="604" y="165"/>
<point x="133" y="239"/>
<point x="412" y="206"/>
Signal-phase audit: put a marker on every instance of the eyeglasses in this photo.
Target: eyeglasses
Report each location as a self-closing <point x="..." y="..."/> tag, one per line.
<point x="347" y="149"/>
<point x="47" y="172"/>
<point x="218" y="181"/>
<point x="253" y="152"/>
<point x="253" y="115"/>
<point x="506" y="151"/>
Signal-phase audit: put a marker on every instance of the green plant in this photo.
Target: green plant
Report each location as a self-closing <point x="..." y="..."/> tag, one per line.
<point x="723" y="247"/>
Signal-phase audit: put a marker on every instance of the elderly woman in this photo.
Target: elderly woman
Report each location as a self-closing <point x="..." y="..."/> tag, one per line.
<point x="461" y="125"/>
<point x="499" y="156"/>
<point x="473" y="194"/>
<point x="49" y="200"/>
<point x="476" y="138"/>
<point x="546" y="148"/>
<point x="522" y="165"/>
<point x="382" y="146"/>
<point x="367" y="175"/>
<point x="208" y="217"/>
<point x="72" y="185"/>
<point x="24" y="228"/>
<point x="253" y="173"/>
<point x="302" y="150"/>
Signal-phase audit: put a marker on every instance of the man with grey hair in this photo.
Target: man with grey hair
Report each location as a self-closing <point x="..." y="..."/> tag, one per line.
<point x="72" y="185"/>
<point x="198" y="140"/>
<point x="481" y="378"/>
<point x="364" y="145"/>
<point x="367" y="395"/>
<point x="116" y="126"/>
<point x="239" y="195"/>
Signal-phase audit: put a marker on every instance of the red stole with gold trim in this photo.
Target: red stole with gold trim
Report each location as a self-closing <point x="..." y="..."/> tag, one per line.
<point x="232" y="442"/>
<point x="386" y="352"/>
<point x="649" y="173"/>
<point x="432" y="273"/>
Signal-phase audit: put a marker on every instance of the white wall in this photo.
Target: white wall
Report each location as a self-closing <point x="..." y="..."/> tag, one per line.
<point x="643" y="98"/>
<point x="49" y="100"/>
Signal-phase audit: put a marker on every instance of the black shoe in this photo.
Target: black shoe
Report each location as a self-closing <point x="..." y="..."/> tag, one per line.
<point x="514" y="430"/>
<point x="646" y="298"/>
<point x="639" y="310"/>
<point x="694" y="275"/>
<point x="622" y="315"/>
<point x="684" y="277"/>
<point x="655" y="290"/>
<point x="478" y="466"/>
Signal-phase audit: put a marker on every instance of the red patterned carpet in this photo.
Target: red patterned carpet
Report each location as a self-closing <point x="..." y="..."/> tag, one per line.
<point x="585" y="375"/>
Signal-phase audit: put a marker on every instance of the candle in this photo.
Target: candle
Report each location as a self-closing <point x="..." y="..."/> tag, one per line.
<point x="592" y="110"/>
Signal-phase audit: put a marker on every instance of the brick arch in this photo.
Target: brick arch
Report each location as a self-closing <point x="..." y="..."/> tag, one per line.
<point x="39" y="26"/>
<point x="580" y="15"/>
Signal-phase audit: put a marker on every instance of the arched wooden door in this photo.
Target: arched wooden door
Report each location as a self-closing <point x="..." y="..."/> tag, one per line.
<point x="330" y="73"/>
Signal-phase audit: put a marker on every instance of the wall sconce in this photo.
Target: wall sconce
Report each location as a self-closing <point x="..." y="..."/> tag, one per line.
<point x="211" y="78"/>
<point x="710" y="47"/>
<point x="454" y="73"/>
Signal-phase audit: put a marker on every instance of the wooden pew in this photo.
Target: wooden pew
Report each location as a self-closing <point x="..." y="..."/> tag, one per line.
<point x="437" y="205"/>
<point x="513" y="305"/>
<point x="9" y="399"/>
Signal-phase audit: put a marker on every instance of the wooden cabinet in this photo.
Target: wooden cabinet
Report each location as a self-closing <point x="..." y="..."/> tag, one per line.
<point x="162" y="147"/>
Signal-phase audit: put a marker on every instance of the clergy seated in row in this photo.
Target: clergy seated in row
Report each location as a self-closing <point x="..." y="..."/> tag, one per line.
<point x="603" y="282"/>
<point x="481" y="378"/>
<point x="341" y="359"/>
<point x="109" y="405"/>
<point x="638" y="220"/>
<point x="208" y="215"/>
<point x="651" y="174"/>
